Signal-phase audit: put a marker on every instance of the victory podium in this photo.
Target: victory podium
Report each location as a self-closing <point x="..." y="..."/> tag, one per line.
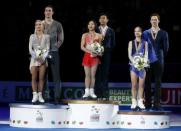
<point x="144" y="119"/>
<point x="38" y="116"/>
<point x="89" y="114"/>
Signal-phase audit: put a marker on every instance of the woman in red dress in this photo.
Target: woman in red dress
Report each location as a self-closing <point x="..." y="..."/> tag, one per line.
<point x="90" y="60"/>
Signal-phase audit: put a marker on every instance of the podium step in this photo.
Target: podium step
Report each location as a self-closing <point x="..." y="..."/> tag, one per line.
<point x="89" y="114"/>
<point x="144" y="119"/>
<point x="38" y="116"/>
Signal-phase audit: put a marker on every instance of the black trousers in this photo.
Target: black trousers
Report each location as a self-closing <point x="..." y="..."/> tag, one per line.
<point x="101" y="83"/>
<point x="155" y="71"/>
<point x="54" y="69"/>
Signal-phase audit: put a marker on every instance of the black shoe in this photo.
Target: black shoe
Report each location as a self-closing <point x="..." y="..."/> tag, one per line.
<point x="87" y="98"/>
<point x="135" y="109"/>
<point x="99" y="99"/>
<point x="157" y="108"/>
<point x="56" y="102"/>
<point x="47" y="96"/>
<point x="35" y="103"/>
<point x="148" y="108"/>
<point x="148" y="105"/>
<point x="103" y="99"/>
<point x="38" y="103"/>
<point x="140" y="109"/>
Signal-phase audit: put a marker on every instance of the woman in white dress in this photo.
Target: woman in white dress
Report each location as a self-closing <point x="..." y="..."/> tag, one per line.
<point x="39" y="44"/>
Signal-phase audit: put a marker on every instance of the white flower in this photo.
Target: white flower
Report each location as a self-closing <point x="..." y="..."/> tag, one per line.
<point x="140" y="62"/>
<point x="97" y="48"/>
<point x="40" y="52"/>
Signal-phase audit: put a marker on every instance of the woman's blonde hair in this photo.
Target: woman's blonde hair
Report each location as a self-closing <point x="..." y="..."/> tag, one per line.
<point x="41" y="24"/>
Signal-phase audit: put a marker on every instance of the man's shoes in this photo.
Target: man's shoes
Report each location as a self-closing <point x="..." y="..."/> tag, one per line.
<point x="56" y="101"/>
<point x="148" y="109"/>
<point x="47" y="96"/>
<point x="103" y="99"/>
<point x="157" y="108"/>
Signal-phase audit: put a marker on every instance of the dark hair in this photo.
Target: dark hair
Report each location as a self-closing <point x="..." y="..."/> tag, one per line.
<point x="49" y="6"/>
<point x="93" y="22"/>
<point x="138" y="27"/>
<point x="155" y="14"/>
<point x="104" y="14"/>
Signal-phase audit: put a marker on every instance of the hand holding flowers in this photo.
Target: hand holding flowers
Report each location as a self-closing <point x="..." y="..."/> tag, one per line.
<point x="41" y="54"/>
<point x="140" y="62"/>
<point x="96" y="49"/>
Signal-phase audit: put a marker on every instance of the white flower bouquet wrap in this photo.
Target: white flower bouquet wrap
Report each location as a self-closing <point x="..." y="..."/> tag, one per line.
<point x="140" y="62"/>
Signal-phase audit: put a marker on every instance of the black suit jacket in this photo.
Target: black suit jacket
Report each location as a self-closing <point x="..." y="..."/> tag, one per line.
<point x="109" y="39"/>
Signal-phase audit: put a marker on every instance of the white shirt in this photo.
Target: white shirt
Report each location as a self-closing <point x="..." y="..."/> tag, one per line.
<point x="103" y="30"/>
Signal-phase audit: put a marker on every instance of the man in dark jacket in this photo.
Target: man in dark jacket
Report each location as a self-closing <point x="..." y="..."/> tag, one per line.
<point x="158" y="47"/>
<point x="101" y="85"/>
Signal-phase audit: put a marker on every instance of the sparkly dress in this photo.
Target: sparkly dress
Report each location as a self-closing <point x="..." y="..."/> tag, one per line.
<point x="87" y="59"/>
<point x="135" y="51"/>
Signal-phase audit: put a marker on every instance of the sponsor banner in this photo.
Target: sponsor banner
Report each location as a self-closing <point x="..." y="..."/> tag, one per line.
<point x="122" y="95"/>
<point x="121" y="92"/>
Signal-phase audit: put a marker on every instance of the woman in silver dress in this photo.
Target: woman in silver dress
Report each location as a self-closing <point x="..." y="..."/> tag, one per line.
<point x="39" y="44"/>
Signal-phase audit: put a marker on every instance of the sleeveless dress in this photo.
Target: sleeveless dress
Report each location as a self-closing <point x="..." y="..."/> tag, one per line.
<point x="139" y="73"/>
<point x="87" y="59"/>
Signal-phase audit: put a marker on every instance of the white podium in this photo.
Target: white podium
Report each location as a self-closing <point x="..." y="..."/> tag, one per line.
<point x="144" y="120"/>
<point x="89" y="114"/>
<point x="38" y="116"/>
<point x="92" y="114"/>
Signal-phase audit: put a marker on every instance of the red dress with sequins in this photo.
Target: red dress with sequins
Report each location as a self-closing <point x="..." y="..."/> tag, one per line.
<point x="87" y="59"/>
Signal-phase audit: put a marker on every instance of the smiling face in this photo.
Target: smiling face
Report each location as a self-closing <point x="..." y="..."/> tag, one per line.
<point x="91" y="25"/>
<point x="138" y="32"/>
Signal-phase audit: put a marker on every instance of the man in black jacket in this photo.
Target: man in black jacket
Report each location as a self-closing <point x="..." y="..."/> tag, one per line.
<point x="101" y="85"/>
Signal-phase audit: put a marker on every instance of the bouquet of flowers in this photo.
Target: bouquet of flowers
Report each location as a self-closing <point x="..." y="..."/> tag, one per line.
<point x="40" y="53"/>
<point x="97" y="48"/>
<point x="140" y="62"/>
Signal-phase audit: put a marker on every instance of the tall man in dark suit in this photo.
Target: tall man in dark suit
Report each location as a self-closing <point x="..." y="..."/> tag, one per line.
<point x="101" y="85"/>
<point x="158" y="47"/>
